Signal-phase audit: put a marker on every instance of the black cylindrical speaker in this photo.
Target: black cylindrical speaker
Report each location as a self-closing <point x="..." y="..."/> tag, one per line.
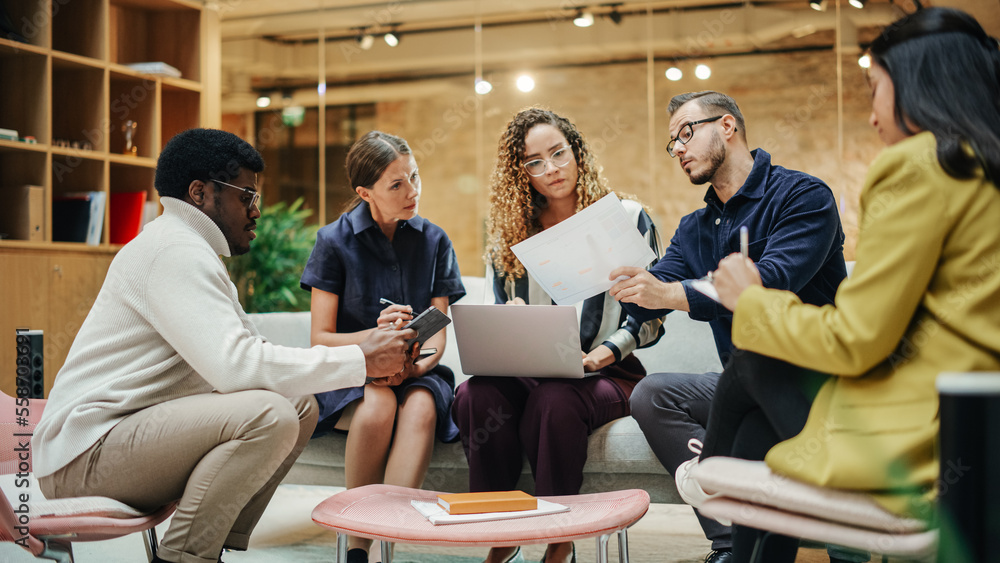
<point x="969" y="481"/>
<point x="30" y="364"/>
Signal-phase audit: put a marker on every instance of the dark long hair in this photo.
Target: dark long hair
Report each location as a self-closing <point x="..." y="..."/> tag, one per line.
<point x="369" y="157"/>
<point x="946" y="73"/>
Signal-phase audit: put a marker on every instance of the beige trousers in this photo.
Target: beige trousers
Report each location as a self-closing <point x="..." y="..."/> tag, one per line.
<point x="220" y="455"/>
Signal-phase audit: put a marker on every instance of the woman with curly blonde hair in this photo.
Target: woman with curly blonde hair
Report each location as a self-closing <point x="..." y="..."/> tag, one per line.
<point x="545" y="173"/>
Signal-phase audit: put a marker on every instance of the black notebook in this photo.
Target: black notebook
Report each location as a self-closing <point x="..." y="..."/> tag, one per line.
<point x="427" y="324"/>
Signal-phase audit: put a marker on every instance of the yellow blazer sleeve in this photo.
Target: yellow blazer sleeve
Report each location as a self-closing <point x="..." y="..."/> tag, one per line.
<point x="902" y="225"/>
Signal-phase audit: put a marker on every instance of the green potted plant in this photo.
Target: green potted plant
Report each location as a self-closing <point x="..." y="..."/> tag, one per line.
<point x="267" y="277"/>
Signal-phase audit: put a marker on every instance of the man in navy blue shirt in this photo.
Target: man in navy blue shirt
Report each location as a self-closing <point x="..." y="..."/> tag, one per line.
<point x="796" y="241"/>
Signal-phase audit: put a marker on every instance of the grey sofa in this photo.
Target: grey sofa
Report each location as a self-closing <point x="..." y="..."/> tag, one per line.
<point x="618" y="456"/>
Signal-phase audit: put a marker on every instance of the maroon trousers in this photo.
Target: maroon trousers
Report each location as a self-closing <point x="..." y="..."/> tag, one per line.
<point x="502" y="419"/>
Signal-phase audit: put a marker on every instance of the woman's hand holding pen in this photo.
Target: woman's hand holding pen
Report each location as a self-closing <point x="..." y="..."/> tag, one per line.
<point x="735" y="274"/>
<point x="395" y="315"/>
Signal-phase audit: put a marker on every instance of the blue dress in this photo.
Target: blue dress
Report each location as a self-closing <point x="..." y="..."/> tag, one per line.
<point x="356" y="261"/>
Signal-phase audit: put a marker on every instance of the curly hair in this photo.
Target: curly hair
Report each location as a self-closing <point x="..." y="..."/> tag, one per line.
<point x="515" y="206"/>
<point x="202" y="154"/>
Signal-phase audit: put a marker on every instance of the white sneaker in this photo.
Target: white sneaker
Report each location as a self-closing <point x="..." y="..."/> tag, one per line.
<point x="688" y="487"/>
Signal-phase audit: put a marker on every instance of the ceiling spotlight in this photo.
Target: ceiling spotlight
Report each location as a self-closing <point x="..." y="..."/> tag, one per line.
<point x="525" y="83"/>
<point x="817" y="5"/>
<point x="392" y="39"/>
<point x="583" y="19"/>
<point x="365" y="41"/>
<point x="483" y="87"/>
<point x="865" y="61"/>
<point x="857" y="3"/>
<point x="674" y="74"/>
<point x="263" y="101"/>
<point x="702" y="71"/>
<point x="615" y="16"/>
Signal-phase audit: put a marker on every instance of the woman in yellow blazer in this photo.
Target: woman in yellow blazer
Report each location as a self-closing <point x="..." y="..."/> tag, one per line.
<point x="924" y="296"/>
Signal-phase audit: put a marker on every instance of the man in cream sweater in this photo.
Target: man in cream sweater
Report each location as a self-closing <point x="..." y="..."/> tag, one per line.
<point x="169" y="392"/>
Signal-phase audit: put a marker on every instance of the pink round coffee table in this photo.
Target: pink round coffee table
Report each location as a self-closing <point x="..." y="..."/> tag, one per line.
<point x="384" y="513"/>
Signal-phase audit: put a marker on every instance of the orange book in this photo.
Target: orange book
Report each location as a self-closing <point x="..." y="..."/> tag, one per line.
<point x="492" y="501"/>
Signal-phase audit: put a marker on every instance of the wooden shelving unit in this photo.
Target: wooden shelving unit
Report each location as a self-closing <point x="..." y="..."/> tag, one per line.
<point x="68" y="86"/>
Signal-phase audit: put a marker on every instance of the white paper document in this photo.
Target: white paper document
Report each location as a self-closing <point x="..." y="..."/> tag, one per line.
<point x="437" y="515"/>
<point x="707" y="288"/>
<point x="572" y="260"/>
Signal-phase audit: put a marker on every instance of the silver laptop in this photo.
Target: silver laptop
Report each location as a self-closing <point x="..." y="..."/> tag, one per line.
<point x="518" y="340"/>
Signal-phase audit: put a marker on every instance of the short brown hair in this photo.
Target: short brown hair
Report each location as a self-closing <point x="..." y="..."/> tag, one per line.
<point x="711" y="99"/>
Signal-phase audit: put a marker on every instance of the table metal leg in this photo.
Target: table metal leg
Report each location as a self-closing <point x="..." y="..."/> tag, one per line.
<point x="341" y="548"/>
<point x="386" y="548"/>
<point x="602" y="548"/>
<point x="623" y="545"/>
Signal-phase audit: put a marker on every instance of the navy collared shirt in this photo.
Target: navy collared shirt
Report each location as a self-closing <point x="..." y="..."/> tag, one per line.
<point x="796" y="240"/>
<point x="355" y="260"/>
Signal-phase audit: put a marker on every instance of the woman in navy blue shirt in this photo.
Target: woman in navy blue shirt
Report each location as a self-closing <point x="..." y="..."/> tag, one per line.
<point x="381" y="249"/>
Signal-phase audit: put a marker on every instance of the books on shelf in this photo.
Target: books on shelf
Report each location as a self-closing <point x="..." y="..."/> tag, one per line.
<point x="437" y="515"/>
<point x="8" y="134"/>
<point x="22" y="217"/>
<point x="490" y="501"/>
<point x="78" y="217"/>
<point x="126" y="216"/>
<point x="157" y="68"/>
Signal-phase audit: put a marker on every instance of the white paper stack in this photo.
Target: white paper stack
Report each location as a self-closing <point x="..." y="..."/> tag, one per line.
<point x="438" y="515"/>
<point x="155" y="68"/>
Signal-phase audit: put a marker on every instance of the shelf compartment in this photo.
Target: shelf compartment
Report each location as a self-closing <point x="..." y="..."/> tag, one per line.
<point x="157" y="31"/>
<point x="71" y="174"/>
<point x="132" y="99"/>
<point x="31" y="19"/>
<point x="122" y="214"/>
<point x="79" y="27"/>
<point x="78" y="109"/>
<point x="21" y="167"/>
<point x="24" y="107"/>
<point x="180" y="111"/>
<point x="17" y="169"/>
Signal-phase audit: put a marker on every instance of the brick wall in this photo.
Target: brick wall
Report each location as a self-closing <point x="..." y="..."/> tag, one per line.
<point x="789" y="102"/>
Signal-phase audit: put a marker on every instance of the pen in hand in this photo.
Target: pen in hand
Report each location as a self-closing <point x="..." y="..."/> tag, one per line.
<point x="384" y="301"/>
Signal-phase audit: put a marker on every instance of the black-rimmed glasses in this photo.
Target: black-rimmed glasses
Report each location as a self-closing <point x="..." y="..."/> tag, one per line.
<point x="687" y="131"/>
<point x="250" y="192"/>
<point x="558" y="159"/>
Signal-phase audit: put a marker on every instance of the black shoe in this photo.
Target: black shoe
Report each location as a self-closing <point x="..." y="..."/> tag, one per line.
<point x="357" y="555"/>
<point x="542" y="560"/>
<point x="719" y="556"/>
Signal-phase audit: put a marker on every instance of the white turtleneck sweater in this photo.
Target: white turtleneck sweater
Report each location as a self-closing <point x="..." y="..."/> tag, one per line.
<point x="167" y="324"/>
